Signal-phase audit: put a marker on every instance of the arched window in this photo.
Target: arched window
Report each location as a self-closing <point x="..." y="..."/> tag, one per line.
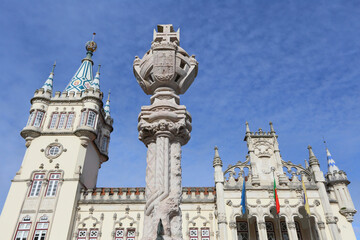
<point x="54" y="118"/>
<point x="242" y="230"/>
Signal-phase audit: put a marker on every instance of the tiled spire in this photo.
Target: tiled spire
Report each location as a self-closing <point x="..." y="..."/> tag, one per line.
<point x="83" y="77"/>
<point x="331" y="163"/>
<point x="107" y="106"/>
<point x="96" y="82"/>
<point x="48" y="85"/>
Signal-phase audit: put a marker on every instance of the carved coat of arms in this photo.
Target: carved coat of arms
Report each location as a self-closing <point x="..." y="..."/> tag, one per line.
<point x="164" y="65"/>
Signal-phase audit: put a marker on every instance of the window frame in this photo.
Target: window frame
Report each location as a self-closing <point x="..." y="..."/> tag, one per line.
<point x="197" y="234"/>
<point x="41" y="229"/>
<point x="55" y="180"/>
<point x="61" y="114"/>
<point x="87" y="118"/>
<point x="127" y="233"/>
<point x="67" y="125"/>
<point x="20" y="230"/>
<point x="269" y="232"/>
<point x="105" y="140"/>
<point x="42" y="118"/>
<point x="122" y="237"/>
<point x="52" y="118"/>
<point x="36" y="180"/>
<point x="81" y="238"/>
<point x="205" y="237"/>
<point x="31" y="118"/>
<point x="238" y="230"/>
<point x="97" y="233"/>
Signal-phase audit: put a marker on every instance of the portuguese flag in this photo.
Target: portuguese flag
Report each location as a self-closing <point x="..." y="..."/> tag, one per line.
<point x="276" y="198"/>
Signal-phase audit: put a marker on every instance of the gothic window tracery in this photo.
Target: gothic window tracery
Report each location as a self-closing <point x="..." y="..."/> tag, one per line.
<point x="270" y="230"/>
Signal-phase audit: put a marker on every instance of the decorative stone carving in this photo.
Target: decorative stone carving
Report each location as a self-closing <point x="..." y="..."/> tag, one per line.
<point x="321" y="225"/>
<point x="232" y="225"/>
<point x="291" y="225"/>
<point x="165" y="71"/>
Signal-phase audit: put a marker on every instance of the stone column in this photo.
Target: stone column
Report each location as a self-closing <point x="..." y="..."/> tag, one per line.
<point x="166" y="71"/>
<point x="322" y="233"/>
<point x="291" y="230"/>
<point x="262" y="230"/>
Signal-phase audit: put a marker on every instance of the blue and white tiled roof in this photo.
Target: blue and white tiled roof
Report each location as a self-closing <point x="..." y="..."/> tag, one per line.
<point x="82" y="79"/>
<point x="96" y="82"/>
<point x="331" y="163"/>
<point x="107" y="106"/>
<point x="48" y="85"/>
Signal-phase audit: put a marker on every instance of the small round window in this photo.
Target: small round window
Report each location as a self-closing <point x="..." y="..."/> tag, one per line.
<point x="54" y="150"/>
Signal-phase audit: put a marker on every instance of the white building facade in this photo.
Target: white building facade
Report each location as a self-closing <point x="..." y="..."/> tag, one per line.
<point x="54" y="193"/>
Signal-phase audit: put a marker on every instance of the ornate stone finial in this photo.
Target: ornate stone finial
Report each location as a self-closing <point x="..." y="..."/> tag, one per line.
<point x="312" y="159"/>
<point x="247" y="127"/>
<point x="271" y="128"/>
<point x="306" y="163"/>
<point x="217" y="160"/>
<point x="166" y="33"/>
<point x="160" y="231"/>
<point x="166" y="66"/>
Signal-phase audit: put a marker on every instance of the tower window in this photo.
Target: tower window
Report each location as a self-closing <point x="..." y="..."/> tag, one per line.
<point x="53" y="184"/>
<point x="31" y="118"/>
<point x="94" y="234"/>
<point x="36" y="185"/>
<point x="119" y="234"/>
<point x="91" y="119"/>
<point x="61" y="120"/>
<point x="130" y="234"/>
<point x="41" y="230"/>
<point x="69" y="121"/>
<point x="83" y="116"/>
<point x="205" y="234"/>
<point x="53" y="120"/>
<point x="38" y="118"/>
<point x="22" y="231"/>
<point x="193" y="233"/>
<point x="104" y="143"/>
<point x="54" y="150"/>
<point x="81" y="234"/>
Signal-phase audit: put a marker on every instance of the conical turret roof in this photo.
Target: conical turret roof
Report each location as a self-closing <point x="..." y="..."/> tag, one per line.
<point x="48" y="84"/>
<point x="83" y="77"/>
<point x="331" y="163"/>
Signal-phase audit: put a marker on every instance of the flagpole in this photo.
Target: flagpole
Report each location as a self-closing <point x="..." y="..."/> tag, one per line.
<point x="278" y="216"/>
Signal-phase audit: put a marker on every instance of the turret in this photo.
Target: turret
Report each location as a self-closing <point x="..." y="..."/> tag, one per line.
<point x="220" y="202"/>
<point x="67" y="137"/>
<point x="337" y="185"/>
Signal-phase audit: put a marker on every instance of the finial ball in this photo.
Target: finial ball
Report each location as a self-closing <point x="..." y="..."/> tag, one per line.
<point x="91" y="46"/>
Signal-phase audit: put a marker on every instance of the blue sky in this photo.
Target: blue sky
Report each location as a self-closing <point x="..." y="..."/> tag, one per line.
<point x="295" y="63"/>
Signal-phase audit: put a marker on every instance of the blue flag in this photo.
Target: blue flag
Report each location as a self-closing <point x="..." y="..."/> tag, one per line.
<point x="243" y="198"/>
